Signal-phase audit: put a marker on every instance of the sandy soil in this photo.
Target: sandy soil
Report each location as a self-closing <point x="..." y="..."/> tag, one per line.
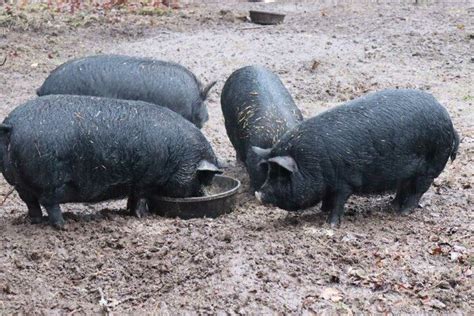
<point x="258" y="259"/>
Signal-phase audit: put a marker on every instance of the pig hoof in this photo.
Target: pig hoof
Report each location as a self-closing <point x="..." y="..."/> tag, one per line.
<point x="334" y="222"/>
<point x="141" y="213"/>
<point x="258" y="196"/>
<point x="58" y="224"/>
<point x="36" y="220"/>
<point x="393" y="207"/>
<point x="405" y="211"/>
<point x="141" y="210"/>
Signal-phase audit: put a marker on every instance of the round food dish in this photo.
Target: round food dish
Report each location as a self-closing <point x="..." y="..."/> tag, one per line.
<point x="220" y="200"/>
<point x="266" y="18"/>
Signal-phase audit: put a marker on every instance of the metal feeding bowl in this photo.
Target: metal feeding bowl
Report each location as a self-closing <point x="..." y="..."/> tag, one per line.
<point x="266" y="18"/>
<point x="220" y="199"/>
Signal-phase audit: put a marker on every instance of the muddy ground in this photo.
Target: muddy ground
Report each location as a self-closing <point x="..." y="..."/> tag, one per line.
<point x="257" y="259"/>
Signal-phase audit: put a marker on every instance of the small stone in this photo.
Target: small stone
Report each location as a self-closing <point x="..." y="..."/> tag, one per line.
<point x="19" y="264"/>
<point x="331" y="294"/>
<point x="444" y="285"/>
<point x="349" y="238"/>
<point x="227" y="237"/>
<point x="329" y="232"/>
<point x="436" y="304"/>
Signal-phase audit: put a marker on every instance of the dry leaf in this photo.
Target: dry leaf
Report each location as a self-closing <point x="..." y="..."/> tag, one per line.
<point x="436" y="251"/>
<point x="315" y="65"/>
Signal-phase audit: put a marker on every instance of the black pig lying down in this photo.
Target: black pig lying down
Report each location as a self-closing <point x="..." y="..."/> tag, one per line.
<point x="258" y="110"/>
<point x="60" y="149"/>
<point x="132" y="78"/>
<point x="392" y="140"/>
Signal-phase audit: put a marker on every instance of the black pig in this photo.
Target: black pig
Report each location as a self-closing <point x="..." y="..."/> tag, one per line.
<point x="132" y="78"/>
<point x="59" y="149"/>
<point x="392" y="140"/>
<point x="258" y="110"/>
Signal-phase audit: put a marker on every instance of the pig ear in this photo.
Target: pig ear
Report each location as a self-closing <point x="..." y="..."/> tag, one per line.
<point x="261" y="152"/>
<point x="206" y="166"/>
<point x="206" y="171"/>
<point x="285" y="162"/>
<point x="206" y="89"/>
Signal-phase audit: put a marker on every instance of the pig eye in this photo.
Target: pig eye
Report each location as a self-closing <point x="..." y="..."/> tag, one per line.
<point x="263" y="166"/>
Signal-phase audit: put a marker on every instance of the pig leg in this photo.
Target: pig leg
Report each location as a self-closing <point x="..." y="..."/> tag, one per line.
<point x="142" y="209"/>
<point x="131" y="204"/>
<point x="55" y="217"/>
<point x="416" y="189"/>
<point x="137" y="206"/>
<point x="34" y="212"/>
<point x="34" y="209"/>
<point x="403" y="191"/>
<point x="328" y="203"/>
<point x="334" y="202"/>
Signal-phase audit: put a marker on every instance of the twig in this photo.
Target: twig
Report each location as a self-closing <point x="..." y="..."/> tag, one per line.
<point x="6" y="196"/>
<point x="96" y="274"/>
<point x="250" y="28"/>
<point x="50" y="258"/>
<point x="462" y="237"/>
<point x="75" y="311"/>
<point x="116" y="303"/>
<point x="103" y="301"/>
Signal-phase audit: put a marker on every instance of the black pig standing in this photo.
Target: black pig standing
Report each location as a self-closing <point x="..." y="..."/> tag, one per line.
<point x="390" y="140"/>
<point x="258" y="110"/>
<point x="59" y="149"/>
<point x="132" y="78"/>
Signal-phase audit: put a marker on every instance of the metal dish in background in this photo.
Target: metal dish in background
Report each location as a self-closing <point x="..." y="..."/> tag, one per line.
<point x="214" y="205"/>
<point x="266" y="18"/>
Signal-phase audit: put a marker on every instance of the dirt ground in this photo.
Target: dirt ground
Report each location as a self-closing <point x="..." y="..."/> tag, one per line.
<point x="257" y="259"/>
